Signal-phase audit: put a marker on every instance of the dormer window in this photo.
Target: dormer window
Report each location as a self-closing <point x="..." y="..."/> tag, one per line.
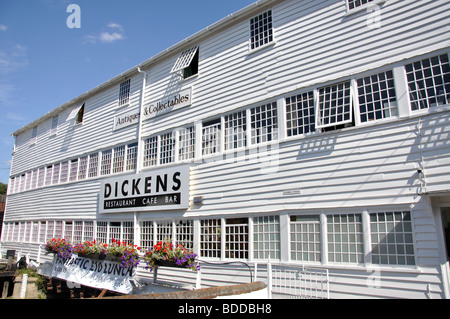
<point x="187" y="63"/>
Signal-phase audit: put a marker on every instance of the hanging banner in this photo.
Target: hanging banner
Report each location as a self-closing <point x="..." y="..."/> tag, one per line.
<point x="99" y="274"/>
<point x="161" y="189"/>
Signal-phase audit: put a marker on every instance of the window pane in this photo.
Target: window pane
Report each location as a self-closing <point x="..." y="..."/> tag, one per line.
<point x="345" y="238"/>
<point x="300" y="116"/>
<point x="264" y="123"/>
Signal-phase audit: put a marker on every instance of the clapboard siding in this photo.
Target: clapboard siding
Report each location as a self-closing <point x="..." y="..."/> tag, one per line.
<point x="382" y="166"/>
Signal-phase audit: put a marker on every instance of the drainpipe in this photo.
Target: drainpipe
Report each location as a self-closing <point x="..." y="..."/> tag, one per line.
<point x="139" y="153"/>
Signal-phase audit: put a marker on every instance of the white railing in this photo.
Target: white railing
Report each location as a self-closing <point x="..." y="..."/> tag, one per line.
<point x="297" y="282"/>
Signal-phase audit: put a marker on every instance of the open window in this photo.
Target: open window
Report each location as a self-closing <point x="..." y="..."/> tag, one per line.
<point x="187" y="63"/>
<point x="77" y="114"/>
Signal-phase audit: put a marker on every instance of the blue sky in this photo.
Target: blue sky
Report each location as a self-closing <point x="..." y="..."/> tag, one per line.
<point x="44" y="64"/>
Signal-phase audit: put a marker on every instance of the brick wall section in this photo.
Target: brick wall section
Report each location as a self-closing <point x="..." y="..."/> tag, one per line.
<point x="205" y="293"/>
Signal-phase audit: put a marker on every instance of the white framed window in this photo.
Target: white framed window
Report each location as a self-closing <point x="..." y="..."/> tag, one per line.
<point x="43" y="231"/>
<point x="236" y="238"/>
<point x="56" y="170"/>
<point x="300" y="114"/>
<point x="114" y="231"/>
<point x="119" y="159"/>
<point x="54" y="128"/>
<point x="105" y="167"/>
<point x="305" y="238"/>
<point x="88" y="231"/>
<point x="33" y="135"/>
<point x="210" y="238"/>
<point x="392" y="238"/>
<point x="124" y="92"/>
<point x="34" y="179"/>
<point x="77" y="114"/>
<point x="353" y="4"/>
<point x="335" y="105"/>
<point x="345" y="238"/>
<point x="235" y="130"/>
<point x="78" y="231"/>
<point x="64" y="172"/>
<point x="128" y="232"/>
<point x="73" y="170"/>
<point x="376" y="96"/>
<point x="68" y="230"/>
<point x="186" y="143"/>
<point x="184" y="230"/>
<point x="35" y="232"/>
<point x="151" y="151"/>
<point x="28" y="182"/>
<point x="187" y="63"/>
<point x="82" y="169"/>
<point x="164" y="231"/>
<point x="131" y="156"/>
<point x="261" y="30"/>
<point x="266" y="237"/>
<point x="211" y="137"/>
<point x="41" y="177"/>
<point x="102" y="232"/>
<point x="146" y="234"/>
<point x="429" y="82"/>
<point x="48" y="175"/>
<point x="93" y="165"/>
<point x="58" y="229"/>
<point x="167" y="148"/>
<point x="264" y="123"/>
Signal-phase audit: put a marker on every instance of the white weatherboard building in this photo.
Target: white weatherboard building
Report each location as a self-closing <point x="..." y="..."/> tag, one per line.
<point x="311" y="133"/>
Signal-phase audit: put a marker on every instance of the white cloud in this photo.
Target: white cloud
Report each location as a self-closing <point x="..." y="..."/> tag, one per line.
<point x="13" y="58"/>
<point x="116" y="33"/>
<point x="3" y="27"/>
<point x="106" y="37"/>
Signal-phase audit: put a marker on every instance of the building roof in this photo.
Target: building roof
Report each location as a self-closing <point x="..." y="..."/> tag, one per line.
<point x="176" y="48"/>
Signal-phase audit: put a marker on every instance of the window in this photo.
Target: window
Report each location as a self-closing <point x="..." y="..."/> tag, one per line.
<point x="305" y="238"/>
<point x="114" y="231"/>
<point x="64" y="172"/>
<point x="167" y="149"/>
<point x="41" y="177"/>
<point x="300" y="115"/>
<point x="147" y="235"/>
<point x="264" y="123"/>
<point x="68" y="230"/>
<point x="78" y="231"/>
<point x="89" y="230"/>
<point x="211" y="137"/>
<point x="119" y="159"/>
<point x="77" y="114"/>
<point x="131" y="157"/>
<point x="392" y="238"/>
<point x="105" y="168"/>
<point x="56" y="169"/>
<point x="236" y="238"/>
<point x="151" y="151"/>
<point x="185" y="233"/>
<point x="186" y="143"/>
<point x="54" y="125"/>
<point x="102" y="232"/>
<point x="261" y="31"/>
<point x="352" y="4"/>
<point x="345" y="238"/>
<point x="164" y="231"/>
<point x="33" y="135"/>
<point x="334" y="105"/>
<point x="187" y="63"/>
<point x="124" y="92"/>
<point x="82" y="170"/>
<point x="235" y="127"/>
<point x="429" y="82"/>
<point x="266" y="237"/>
<point x="210" y="238"/>
<point x="73" y="170"/>
<point x="93" y="165"/>
<point x="80" y="115"/>
<point x="376" y="96"/>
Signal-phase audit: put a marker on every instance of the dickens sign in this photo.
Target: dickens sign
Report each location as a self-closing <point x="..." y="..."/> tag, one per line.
<point x="167" y="104"/>
<point x="162" y="189"/>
